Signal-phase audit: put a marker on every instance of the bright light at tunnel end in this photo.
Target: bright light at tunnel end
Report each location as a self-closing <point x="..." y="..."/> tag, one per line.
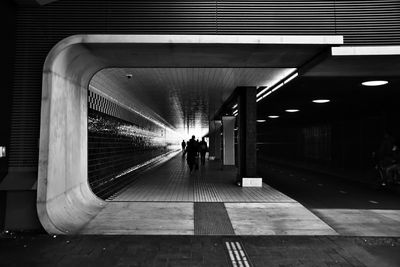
<point x="374" y="83"/>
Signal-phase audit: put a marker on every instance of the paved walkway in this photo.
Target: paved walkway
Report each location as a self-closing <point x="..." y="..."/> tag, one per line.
<point x="168" y="200"/>
<point x="172" y="182"/>
<point x="271" y="251"/>
<point x="351" y="208"/>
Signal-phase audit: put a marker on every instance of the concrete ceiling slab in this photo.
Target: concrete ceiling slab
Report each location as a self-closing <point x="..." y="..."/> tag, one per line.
<point x="184" y="79"/>
<point x="211" y="55"/>
<point x="368" y="61"/>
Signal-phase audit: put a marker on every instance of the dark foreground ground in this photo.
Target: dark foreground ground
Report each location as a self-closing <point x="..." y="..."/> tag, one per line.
<point x="311" y="189"/>
<point x="46" y="250"/>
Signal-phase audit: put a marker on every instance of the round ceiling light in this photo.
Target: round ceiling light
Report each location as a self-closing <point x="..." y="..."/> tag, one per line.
<point x="321" y="101"/>
<point x="374" y="83"/>
<point x="261" y="120"/>
<point x="273" y="116"/>
<point x="292" y="110"/>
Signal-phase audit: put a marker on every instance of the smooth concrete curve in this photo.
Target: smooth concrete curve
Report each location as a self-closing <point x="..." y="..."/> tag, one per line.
<point x="65" y="202"/>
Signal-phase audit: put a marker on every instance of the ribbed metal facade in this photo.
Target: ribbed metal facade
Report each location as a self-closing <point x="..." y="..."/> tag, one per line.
<point x="363" y="22"/>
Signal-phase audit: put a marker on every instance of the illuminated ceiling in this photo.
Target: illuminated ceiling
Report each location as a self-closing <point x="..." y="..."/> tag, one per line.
<point x="184" y="98"/>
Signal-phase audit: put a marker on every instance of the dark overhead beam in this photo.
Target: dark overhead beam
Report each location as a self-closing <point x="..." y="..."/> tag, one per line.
<point x="230" y="101"/>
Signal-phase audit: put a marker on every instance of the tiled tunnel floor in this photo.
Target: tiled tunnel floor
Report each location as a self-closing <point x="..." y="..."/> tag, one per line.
<point x="166" y="199"/>
<point x="172" y="181"/>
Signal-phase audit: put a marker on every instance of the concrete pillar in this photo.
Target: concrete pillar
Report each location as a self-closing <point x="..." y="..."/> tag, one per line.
<point x="215" y="140"/>
<point x="228" y="137"/>
<point x="247" y="137"/>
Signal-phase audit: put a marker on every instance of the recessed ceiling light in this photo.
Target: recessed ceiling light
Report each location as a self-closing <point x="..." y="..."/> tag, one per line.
<point x="292" y="110"/>
<point x="374" y="83"/>
<point x="321" y="101"/>
<point x="261" y="120"/>
<point x="273" y="116"/>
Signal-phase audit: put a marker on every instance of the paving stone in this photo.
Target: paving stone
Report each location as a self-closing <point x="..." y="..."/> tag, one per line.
<point x="207" y="251"/>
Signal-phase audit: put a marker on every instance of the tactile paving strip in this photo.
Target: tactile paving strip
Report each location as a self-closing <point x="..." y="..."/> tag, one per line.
<point x="237" y="255"/>
<point x="211" y="219"/>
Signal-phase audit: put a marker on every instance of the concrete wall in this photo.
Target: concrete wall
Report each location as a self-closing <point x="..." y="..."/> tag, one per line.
<point x="65" y="201"/>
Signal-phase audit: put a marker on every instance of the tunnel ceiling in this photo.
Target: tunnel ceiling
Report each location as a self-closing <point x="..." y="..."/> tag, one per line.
<point x="338" y="79"/>
<point x="184" y="98"/>
<point x="182" y="80"/>
<point x="349" y="99"/>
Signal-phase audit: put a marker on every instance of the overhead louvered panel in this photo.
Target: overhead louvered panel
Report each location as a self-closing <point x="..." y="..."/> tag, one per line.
<point x="190" y="17"/>
<point x="276" y="17"/>
<point x="369" y="22"/>
<point x="39" y="28"/>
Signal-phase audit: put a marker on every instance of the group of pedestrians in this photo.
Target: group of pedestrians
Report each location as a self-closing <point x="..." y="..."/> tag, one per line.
<point x="192" y="149"/>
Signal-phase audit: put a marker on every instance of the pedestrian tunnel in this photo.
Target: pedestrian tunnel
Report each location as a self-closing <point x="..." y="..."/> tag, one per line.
<point x="111" y="103"/>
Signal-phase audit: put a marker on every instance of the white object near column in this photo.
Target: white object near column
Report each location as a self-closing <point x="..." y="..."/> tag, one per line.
<point x="228" y="124"/>
<point x="251" y="182"/>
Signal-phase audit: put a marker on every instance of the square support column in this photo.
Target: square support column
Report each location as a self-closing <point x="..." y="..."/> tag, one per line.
<point x="228" y="137"/>
<point x="247" y="138"/>
<point x="215" y="140"/>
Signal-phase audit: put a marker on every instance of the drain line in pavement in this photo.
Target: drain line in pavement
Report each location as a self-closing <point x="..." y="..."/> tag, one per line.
<point x="237" y="254"/>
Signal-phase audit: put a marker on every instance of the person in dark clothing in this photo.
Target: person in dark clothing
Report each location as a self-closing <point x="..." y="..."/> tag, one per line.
<point x="196" y="159"/>
<point x="386" y="156"/>
<point x="191" y="151"/>
<point x="385" y="149"/>
<point x="393" y="167"/>
<point x="203" y="150"/>
<point x="183" y="145"/>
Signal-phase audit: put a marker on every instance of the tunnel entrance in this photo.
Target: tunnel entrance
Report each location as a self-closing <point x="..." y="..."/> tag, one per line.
<point x="137" y="116"/>
<point x="66" y="202"/>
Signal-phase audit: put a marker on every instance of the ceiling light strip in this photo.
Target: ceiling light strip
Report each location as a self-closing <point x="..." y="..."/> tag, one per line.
<point x="265" y="92"/>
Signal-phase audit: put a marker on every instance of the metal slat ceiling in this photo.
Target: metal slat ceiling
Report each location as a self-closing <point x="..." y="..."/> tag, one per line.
<point x="183" y="97"/>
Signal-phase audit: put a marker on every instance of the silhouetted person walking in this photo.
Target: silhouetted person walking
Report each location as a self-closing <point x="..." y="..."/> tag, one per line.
<point x="183" y="144"/>
<point x="203" y="150"/>
<point x="191" y="151"/>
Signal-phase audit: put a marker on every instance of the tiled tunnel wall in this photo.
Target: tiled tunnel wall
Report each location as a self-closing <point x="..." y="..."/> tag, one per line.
<point x="118" y="141"/>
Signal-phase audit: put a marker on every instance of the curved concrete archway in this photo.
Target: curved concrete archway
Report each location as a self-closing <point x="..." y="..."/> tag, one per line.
<point x="65" y="202"/>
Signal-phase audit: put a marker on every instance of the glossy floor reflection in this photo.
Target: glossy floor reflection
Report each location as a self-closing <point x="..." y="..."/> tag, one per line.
<point x="211" y="183"/>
